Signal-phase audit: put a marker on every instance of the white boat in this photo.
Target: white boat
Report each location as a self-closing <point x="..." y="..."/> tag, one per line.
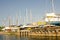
<point x="53" y="18"/>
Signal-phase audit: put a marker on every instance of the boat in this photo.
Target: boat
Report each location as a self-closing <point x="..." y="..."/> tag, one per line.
<point x="53" y="19"/>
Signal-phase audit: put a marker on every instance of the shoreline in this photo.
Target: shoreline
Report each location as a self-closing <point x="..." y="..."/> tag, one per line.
<point x="29" y="34"/>
<point x="8" y="33"/>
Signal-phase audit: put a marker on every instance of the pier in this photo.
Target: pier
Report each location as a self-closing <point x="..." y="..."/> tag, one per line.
<point x="24" y="33"/>
<point x="41" y="32"/>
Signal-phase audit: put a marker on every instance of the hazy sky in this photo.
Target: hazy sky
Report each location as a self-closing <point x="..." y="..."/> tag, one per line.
<point x="38" y="9"/>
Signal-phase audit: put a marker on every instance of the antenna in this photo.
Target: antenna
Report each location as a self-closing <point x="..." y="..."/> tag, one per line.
<point x="52" y="6"/>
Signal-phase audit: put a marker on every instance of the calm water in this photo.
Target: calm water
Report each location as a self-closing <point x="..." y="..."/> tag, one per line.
<point x="14" y="37"/>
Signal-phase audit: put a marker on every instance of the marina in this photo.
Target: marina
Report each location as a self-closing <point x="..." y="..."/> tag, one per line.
<point x="30" y="20"/>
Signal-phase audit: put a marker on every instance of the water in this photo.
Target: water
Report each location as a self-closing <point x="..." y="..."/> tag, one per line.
<point x="15" y="37"/>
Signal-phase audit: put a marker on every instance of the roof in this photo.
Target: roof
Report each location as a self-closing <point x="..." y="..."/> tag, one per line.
<point x="27" y="26"/>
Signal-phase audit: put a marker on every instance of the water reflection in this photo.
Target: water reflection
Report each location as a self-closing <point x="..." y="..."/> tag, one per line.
<point x="15" y="37"/>
<point x="10" y="37"/>
<point x="45" y="38"/>
<point x="1" y="37"/>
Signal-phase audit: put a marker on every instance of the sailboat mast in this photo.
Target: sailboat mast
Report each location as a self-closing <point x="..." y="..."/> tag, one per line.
<point x="20" y="17"/>
<point x="3" y="22"/>
<point x="9" y="18"/>
<point x="17" y="19"/>
<point x="30" y="16"/>
<point x="26" y="16"/>
<point x="52" y="6"/>
<point x="24" y="20"/>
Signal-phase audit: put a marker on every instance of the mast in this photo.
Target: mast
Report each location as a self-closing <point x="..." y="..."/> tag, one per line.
<point x="20" y="17"/>
<point x="26" y="16"/>
<point x="17" y="19"/>
<point x="24" y="20"/>
<point x="3" y="22"/>
<point x="53" y="6"/>
<point x="30" y="17"/>
<point x="9" y="18"/>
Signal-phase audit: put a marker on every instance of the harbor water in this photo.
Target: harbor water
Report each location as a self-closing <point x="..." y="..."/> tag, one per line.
<point x="17" y="37"/>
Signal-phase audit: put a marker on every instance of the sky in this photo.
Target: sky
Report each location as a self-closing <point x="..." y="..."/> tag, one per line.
<point x="16" y="9"/>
